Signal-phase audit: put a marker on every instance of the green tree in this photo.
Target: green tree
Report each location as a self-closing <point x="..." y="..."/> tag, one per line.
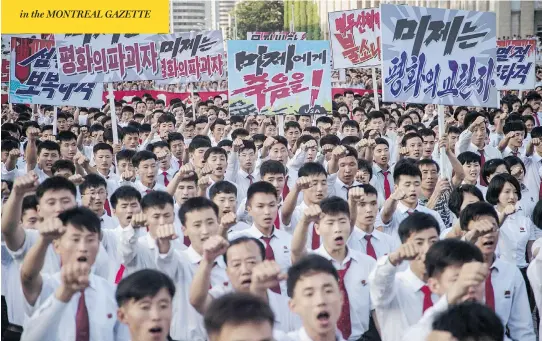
<point x="287" y="14"/>
<point x="254" y="15"/>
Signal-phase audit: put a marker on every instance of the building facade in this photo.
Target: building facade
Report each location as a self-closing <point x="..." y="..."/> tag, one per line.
<point x="189" y="15"/>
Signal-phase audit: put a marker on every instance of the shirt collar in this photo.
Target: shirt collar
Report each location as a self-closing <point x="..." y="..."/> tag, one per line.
<point x="150" y="241"/>
<point x="303" y="336"/>
<point x="192" y="255"/>
<point x="253" y="230"/>
<point x="413" y="280"/>
<point x="360" y="234"/>
<point x="403" y="209"/>
<point x="323" y="252"/>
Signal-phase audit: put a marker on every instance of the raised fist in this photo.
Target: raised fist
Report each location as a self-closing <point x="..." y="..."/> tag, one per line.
<point x="166" y="232"/>
<point x="51" y="228"/>
<point x="26" y="183"/>
<point x="75" y="276"/>
<point x="128" y="175"/>
<point x="266" y="275"/>
<point x="139" y="220"/>
<point x="407" y="251"/>
<point x="32" y="133"/>
<point x="356" y="193"/>
<point x="303" y="183"/>
<point x="214" y="247"/>
<point x="398" y="194"/>
<point x="312" y="213"/>
<point x="77" y="179"/>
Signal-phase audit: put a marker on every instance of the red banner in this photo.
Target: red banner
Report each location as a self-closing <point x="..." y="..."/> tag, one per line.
<point x="163" y="95"/>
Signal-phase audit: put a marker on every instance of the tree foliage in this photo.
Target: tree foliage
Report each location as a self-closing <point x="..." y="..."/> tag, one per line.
<point x="257" y="15"/>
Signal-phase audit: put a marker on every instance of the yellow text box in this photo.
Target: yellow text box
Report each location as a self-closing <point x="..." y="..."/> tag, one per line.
<point x="96" y="16"/>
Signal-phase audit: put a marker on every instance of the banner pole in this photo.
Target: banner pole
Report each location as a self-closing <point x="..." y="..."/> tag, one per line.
<point x="375" y="89"/>
<point x="55" y="129"/>
<point x="111" y="98"/>
<point x="193" y="103"/>
<point x="441" y="130"/>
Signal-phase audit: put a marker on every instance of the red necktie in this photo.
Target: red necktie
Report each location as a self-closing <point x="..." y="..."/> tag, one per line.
<point x="536" y="119"/>
<point x="270" y="255"/>
<point x="148" y="191"/>
<point x="107" y="208"/>
<point x="286" y="189"/>
<point x="250" y="178"/>
<point x="427" y="301"/>
<point x="482" y="161"/>
<point x="490" y="294"/>
<point x="187" y="241"/>
<point x="387" y="187"/>
<point x="166" y="181"/>
<point x="277" y="221"/>
<point x="120" y="272"/>
<point x="370" y="249"/>
<point x="82" y="327"/>
<point x="344" y="324"/>
<point x="315" y="242"/>
<point x="515" y="153"/>
<point x="540" y="191"/>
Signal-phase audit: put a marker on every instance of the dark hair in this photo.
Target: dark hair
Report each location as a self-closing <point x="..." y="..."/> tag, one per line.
<point x="536" y="132"/>
<point x="195" y="204"/>
<point x="427" y="162"/>
<point x="236" y="309"/>
<point x="215" y="150"/>
<point x="350" y="124"/>
<point x="291" y="125"/>
<point x="470" y="117"/>
<point x="102" y="146"/>
<point x="9" y="144"/>
<point x="242" y="240"/>
<point x="417" y="222"/>
<point x="512" y="160"/>
<point x="409" y="136"/>
<point x="66" y="136"/>
<point x="92" y="181"/>
<point x="81" y="218"/>
<point x="334" y="206"/>
<point x="125" y="154"/>
<point x="222" y="187"/>
<point x="348" y="140"/>
<point x="272" y="167"/>
<point x="470" y="321"/>
<point x="537" y="214"/>
<point x="55" y="183"/>
<point x="156" y="199"/>
<point x="198" y="142"/>
<point x="30" y="202"/>
<point x="48" y="145"/>
<point x="497" y="184"/>
<point x="174" y="136"/>
<point x="457" y="195"/>
<point x="141" y="156"/>
<point x="468" y="157"/>
<point x="474" y="211"/>
<point x="239" y="132"/>
<point x="450" y="252"/>
<point x="260" y="187"/>
<point x="308" y="265"/>
<point x="124" y="193"/>
<point x="218" y="121"/>
<point x="158" y="144"/>
<point x="490" y="167"/>
<point x="282" y="140"/>
<point x="312" y="169"/>
<point x="63" y="164"/>
<point x="406" y="169"/>
<point x="330" y="139"/>
<point x="225" y="143"/>
<point x="513" y="126"/>
<point x="141" y="284"/>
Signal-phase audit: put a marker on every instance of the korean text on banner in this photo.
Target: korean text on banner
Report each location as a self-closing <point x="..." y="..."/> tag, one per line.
<point x="192" y="57"/>
<point x="34" y="77"/>
<point x="104" y="58"/>
<point x="355" y="38"/>
<point x="439" y="56"/>
<point x="276" y="35"/>
<point x="279" y="77"/>
<point x="515" y="64"/>
<point x="6" y="50"/>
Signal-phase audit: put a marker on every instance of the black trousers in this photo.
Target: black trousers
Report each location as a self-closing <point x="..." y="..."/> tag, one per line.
<point x="10" y="332"/>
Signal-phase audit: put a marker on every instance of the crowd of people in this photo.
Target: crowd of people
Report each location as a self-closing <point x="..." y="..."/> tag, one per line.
<point x="362" y="224"/>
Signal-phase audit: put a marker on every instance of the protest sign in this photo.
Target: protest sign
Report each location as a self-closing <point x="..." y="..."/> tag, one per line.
<point x="355" y="38"/>
<point x="164" y="95"/>
<point x="34" y="77"/>
<point x="192" y="57"/>
<point x="439" y="56"/>
<point x="103" y="58"/>
<point x="515" y="64"/>
<point x="279" y="77"/>
<point x="276" y="35"/>
<point x="6" y="50"/>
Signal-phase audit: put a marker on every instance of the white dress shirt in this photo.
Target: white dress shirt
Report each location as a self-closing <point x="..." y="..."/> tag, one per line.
<point x="424" y="326"/>
<point x="144" y="189"/>
<point x="533" y="174"/>
<point x="236" y="175"/>
<point x="508" y="151"/>
<point x="356" y="282"/>
<point x="187" y="323"/>
<point x="297" y="215"/>
<point x="514" y="234"/>
<point x="534" y="273"/>
<point x="301" y="335"/>
<point x="337" y="187"/>
<point x="383" y="244"/>
<point x="113" y="182"/>
<point x="107" y="222"/>
<point x="511" y="302"/>
<point x="396" y="297"/>
<point x="400" y="214"/>
<point x="281" y="242"/>
<point x="529" y="198"/>
<point x="54" y="320"/>
<point x="170" y="173"/>
<point x="464" y="144"/>
<point x="11" y="288"/>
<point x="175" y="163"/>
<point x="377" y="181"/>
<point x="285" y="320"/>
